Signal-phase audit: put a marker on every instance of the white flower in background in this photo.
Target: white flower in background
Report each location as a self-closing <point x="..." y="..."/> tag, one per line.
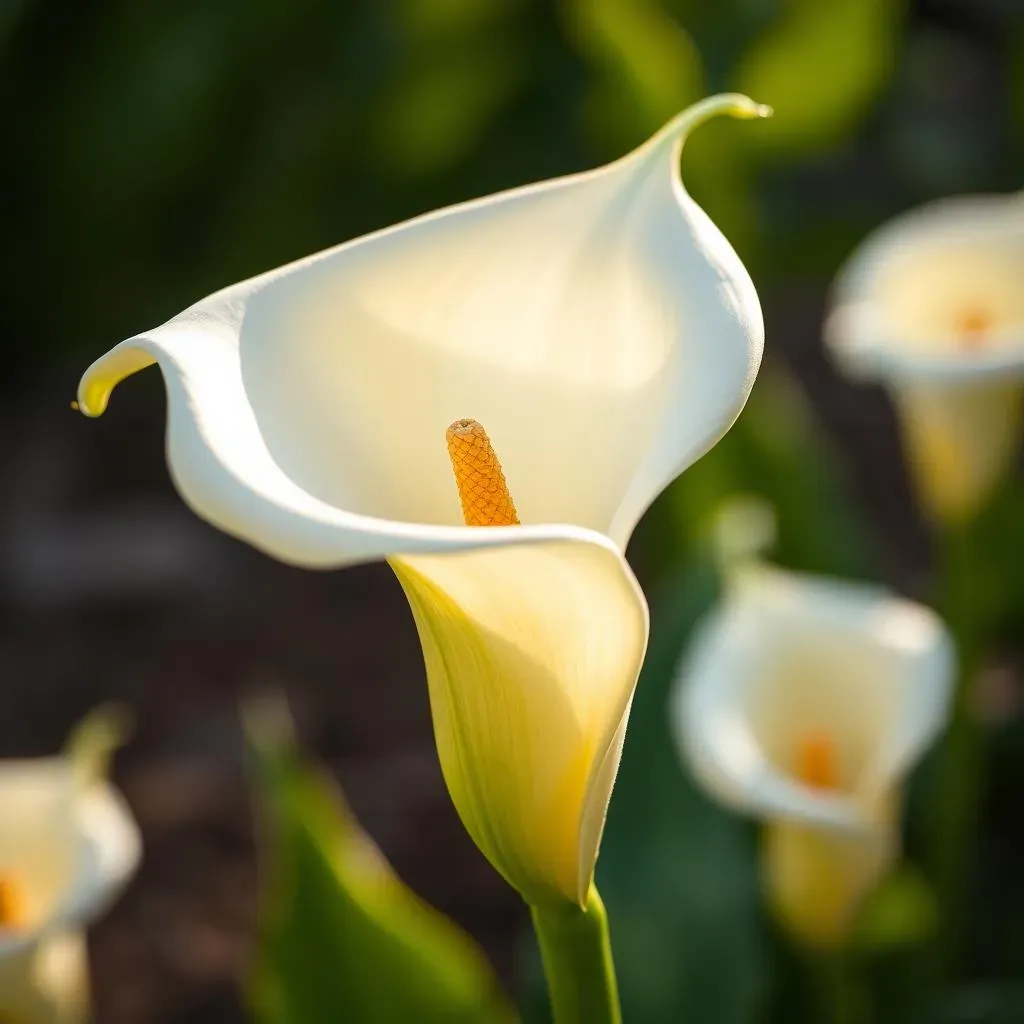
<point x="805" y="701"/>
<point x="68" y="845"/>
<point x="604" y="333"/>
<point x="932" y="304"/>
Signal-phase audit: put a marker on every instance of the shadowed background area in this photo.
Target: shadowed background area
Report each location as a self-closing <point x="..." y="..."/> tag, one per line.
<point x="155" y="152"/>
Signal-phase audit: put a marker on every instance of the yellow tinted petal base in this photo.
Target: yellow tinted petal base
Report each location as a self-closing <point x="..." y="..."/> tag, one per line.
<point x="816" y="880"/>
<point x="532" y="654"/>
<point x="46" y="983"/>
<point x="960" y="440"/>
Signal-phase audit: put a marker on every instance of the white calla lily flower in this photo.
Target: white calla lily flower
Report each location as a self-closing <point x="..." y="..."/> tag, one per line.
<point x="805" y="702"/>
<point x="606" y="335"/>
<point x="932" y="305"/>
<point x="67" y="847"/>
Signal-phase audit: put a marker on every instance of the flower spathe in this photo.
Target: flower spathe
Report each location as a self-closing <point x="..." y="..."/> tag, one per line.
<point x="931" y="305"/>
<point x="805" y="702"/>
<point x="67" y="847"/>
<point x="604" y="333"/>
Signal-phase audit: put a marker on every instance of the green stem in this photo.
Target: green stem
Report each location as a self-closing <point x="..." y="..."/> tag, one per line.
<point x="843" y="997"/>
<point x="577" y="954"/>
<point x="960" y="776"/>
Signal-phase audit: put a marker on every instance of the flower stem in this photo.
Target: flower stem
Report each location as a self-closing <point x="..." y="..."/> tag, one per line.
<point x="577" y="953"/>
<point x="843" y="997"/>
<point x="961" y="765"/>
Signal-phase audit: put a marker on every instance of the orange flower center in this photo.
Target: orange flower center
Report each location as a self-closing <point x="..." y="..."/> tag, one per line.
<point x="972" y="327"/>
<point x="482" y="489"/>
<point x="12" y="903"/>
<point x="817" y="762"/>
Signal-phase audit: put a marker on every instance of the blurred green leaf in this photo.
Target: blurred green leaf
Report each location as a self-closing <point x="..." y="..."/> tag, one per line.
<point x="902" y="911"/>
<point x="11" y="12"/>
<point x="435" y="114"/>
<point x="649" y="67"/>
<point x="792" y="463"/>
<point x="981" y="1004"/>
<point x="997" y="584"/>
<point x="778" y="453"/>
<point x="821" y="65"/>
<point x="429" y="22"/>
<point x="342" y="938"/>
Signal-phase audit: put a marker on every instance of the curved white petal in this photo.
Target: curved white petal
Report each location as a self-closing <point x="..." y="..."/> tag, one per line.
<point x="788" y="656"/>
<point x="110" y="849"/>
<point x="932" y="305"/>
<point x="38" y="839"/>
<point x="223" y="468"/>
<point x="598" y="325"/>
<point x="532" y="656"/>
<point x="68" y="850"/>
<point x="900" y="302"/>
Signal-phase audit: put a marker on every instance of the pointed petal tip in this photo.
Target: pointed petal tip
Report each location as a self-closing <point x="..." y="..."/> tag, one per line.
<point x="94" y="390"/>
<point x="737" y="105"/>
<point x="92" y="402"/>
<point x="100" y="379"/>
<point x="93" y="394"/>
<point x="733" y="104"/>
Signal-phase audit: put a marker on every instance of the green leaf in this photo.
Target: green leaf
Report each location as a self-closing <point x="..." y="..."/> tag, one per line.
<point x="902" y="911"/>
<point x="647" y="66"/>
<point x="776" y="452"/>
<point x="981" y="1004"/>
<point x="820" y="65"/>
<point x="342" y="938"/>
<point x="789" y="461"/>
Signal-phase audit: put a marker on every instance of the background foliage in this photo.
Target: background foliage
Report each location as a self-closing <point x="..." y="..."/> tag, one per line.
<point x="155" y="151"/>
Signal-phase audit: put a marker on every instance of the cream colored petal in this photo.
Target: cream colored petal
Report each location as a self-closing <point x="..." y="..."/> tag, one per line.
<point x="66" y="851"/>
<point x="598" y="325"/>
<point x="222" y="466"/>
<point x="532" y="656"/>
<point x="788" y="656"/>
<point x="46" y="982"/>
<point x="38" y="839"/>
<point x="901" y="302"/>
<point x="960" y="439"/>
<point x="110" y="849"/>
<point x="816" y="880"/>
<point x="599" y="791"/>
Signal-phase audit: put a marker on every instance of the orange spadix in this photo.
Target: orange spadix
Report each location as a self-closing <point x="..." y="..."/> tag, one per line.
<point x="12" y="904"/>
<point x="482" y="489"/>
<point x="816" y="761"/>
<point x="973" y="326"/>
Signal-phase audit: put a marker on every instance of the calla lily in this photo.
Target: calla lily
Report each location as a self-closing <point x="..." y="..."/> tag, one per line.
<point x="805" y="702"/>
<point x="932" y="305"/>
<point x="606" y="335"/>
<point x="67" y="846"/>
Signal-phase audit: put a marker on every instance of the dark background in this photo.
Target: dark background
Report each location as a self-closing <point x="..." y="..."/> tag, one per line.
<point x="155" y="150"/>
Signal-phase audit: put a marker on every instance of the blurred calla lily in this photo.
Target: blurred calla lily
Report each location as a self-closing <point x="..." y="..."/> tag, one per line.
<point x="68" y="845"/>
<point x="607" y="336"/>
<point x="805" y="702"/>
<point x="932" y="305"/>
